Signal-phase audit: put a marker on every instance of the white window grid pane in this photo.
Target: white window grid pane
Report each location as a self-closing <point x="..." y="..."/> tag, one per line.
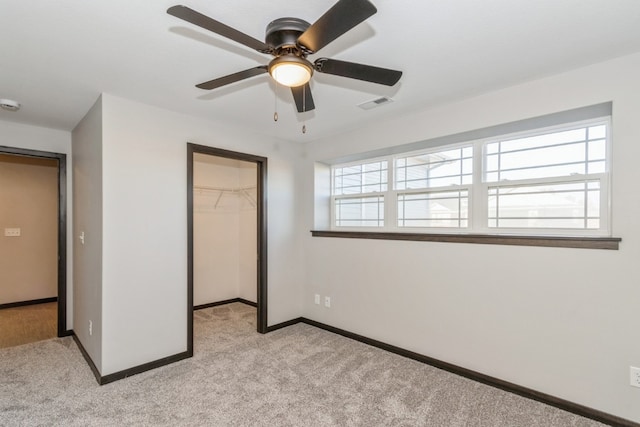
<point x="363" y="178"/>
<point x="359" y="211"/>
<point x="435" y="169"/>
<point x="561" y="153"/>
<point x="569" y="205"/>
<point x="434" y="209"/>
<point x="599" y="131"/>
<point x="540" y="172"/>
<point x="549" y="139"/>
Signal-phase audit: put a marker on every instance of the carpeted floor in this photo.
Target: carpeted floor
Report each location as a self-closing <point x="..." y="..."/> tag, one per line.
<point x="296" y="376"/>
<point x="30" y="323"/>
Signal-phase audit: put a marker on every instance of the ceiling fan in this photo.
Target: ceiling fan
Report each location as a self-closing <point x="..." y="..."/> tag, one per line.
<point x="290" y="41"/>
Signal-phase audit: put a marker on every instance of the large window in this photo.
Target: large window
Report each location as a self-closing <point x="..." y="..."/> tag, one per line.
<point x="551" y="181"/>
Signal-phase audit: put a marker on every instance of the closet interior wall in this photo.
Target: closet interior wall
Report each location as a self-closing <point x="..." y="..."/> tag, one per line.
<point x="225" y="229"/>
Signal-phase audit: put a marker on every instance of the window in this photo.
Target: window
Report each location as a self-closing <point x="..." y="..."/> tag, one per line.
<point x="551" y="181"/>
<point x="359" y="194"/>
<point x="423" y="183"/>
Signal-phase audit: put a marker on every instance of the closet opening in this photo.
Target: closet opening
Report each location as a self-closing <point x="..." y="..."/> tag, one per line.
<point x="227" y="244"/>
<point x="33" y="242"/>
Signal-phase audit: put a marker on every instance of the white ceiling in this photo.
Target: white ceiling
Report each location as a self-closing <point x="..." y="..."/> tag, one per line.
<point x="56" y="57"/>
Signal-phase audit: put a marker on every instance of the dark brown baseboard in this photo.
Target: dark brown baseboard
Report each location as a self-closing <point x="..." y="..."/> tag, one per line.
<point x="247" y="302"/>
<point x="30" y="302"/>
<point x="559" y="403"/>
<point x="87" y="358"/>
<point x="224" y="302"/>
<point x="284" y="324"/>
<point x="143" y="368"/>
<point x="102" y="380"/>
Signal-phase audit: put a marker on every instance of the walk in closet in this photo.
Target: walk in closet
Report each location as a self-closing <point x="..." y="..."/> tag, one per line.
<point x="225" y="229"/>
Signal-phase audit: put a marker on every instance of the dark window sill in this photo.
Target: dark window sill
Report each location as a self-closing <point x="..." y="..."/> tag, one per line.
<point x="485" y="239"/>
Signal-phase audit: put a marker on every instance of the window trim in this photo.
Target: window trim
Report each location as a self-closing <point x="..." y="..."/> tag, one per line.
<point x="610" y="243"/>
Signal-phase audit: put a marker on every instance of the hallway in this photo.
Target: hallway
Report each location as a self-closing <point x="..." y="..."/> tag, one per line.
<point x="27" y="324"/>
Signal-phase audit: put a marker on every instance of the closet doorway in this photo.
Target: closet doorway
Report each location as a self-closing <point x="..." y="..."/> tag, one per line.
<point x="226" y="231"/>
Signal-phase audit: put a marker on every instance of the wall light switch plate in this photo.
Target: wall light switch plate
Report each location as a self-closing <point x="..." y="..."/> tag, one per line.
<point x="12" y="232"/>
<point x="316" y="298"/>
<point x="327" y="302"/>
<point x="634" y="376"/>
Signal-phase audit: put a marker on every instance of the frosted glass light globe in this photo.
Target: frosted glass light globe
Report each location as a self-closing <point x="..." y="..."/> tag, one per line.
<point x="290" y="71"/>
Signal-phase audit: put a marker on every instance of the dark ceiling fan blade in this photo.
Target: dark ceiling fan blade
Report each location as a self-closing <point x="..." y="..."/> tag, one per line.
<point x="342" y="17"/>
<point x="304" y="99"/>
<point x="353" y="70"/>
<point x="232" y="78"/>
<point x="196" y="18"/>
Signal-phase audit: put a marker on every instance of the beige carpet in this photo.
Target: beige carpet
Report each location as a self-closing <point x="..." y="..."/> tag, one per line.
<point x="31" y="323"/>
<point x="296" y="376"/>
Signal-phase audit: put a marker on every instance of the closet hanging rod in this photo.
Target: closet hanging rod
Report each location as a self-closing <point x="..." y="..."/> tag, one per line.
<point x="229" y="189"/>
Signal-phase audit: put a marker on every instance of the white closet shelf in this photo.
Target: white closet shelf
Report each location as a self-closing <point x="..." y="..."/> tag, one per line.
<point x="227" y="189"/>
<point x="238" y="191"/>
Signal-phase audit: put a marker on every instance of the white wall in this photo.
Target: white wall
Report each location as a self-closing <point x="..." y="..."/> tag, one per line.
<point x="87" y="144"/>
<point x="55" y="141"/>
<point x="145" y="232"/>
<point x="221" y="250"/>
<point x="560" y="321"/>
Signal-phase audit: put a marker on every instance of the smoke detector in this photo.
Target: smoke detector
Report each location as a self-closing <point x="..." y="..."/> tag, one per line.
<point x="9" y="104"/>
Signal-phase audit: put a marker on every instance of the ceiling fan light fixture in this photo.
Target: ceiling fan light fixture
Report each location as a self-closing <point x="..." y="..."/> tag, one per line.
<point x="290" y="40"/>
<point x="291" y="70"/>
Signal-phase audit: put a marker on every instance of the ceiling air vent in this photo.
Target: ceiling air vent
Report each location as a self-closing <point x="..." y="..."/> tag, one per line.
<point x="375" y="103"/>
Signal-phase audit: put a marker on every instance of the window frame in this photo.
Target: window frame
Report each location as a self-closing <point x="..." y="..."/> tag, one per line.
<point x="478" y="190"/>
<point x="392" y="226"/>
<point x="382" y="194"/>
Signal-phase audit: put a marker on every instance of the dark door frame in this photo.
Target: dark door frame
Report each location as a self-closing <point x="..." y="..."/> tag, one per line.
<point x="62" y="227"/>
<point x="261" y="164"/>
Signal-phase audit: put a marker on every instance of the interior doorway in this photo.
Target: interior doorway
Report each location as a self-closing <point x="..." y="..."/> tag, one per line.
<point x="227" y="248"/>
<point x="34" y="232"/>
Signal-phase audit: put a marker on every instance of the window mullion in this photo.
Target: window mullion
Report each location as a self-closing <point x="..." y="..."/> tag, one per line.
<point x="390" y="197"/>
<point x="478" y="206"/>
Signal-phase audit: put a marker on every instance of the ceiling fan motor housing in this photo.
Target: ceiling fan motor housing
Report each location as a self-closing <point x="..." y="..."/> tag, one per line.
<point x="283" y="34"/>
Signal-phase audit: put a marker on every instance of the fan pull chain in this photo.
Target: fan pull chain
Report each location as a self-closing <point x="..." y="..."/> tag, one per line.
<point x="304" y="109"/>
<point x="275" y="102"/>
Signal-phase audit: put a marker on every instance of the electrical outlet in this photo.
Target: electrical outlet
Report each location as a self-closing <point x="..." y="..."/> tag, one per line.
<point x="327" y="302"/>
<point x="634" y="376"/>
<point x="316" y="298"/>
<point x="90" y="327"/>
